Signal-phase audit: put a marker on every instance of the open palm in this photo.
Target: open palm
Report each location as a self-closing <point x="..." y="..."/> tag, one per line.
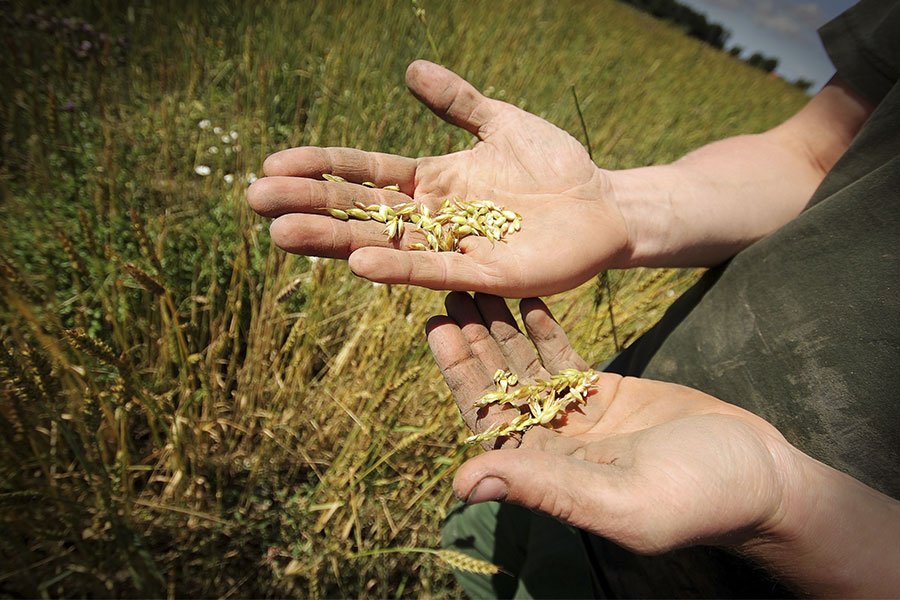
<point x="570" y="227"/>
<point x="651" y="465"/>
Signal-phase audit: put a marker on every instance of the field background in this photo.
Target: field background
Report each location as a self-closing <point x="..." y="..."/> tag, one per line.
<point x="166" y="427"/>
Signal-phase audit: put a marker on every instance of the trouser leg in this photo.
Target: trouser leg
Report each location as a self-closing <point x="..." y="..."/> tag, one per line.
<point x="541" y="557"/>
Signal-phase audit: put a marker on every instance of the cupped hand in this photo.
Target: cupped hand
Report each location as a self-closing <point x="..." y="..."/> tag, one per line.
<point x="571" y="229"/>
<point x="652" y="466"/>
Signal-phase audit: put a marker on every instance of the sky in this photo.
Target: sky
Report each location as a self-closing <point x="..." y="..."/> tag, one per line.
<point x="785" y="29"/>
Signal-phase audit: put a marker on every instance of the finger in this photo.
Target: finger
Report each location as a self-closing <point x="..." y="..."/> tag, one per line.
<point x="549" y="338"/>
<point x="353" y="165"/>
<point x="462" y="309"/>
<point x="519" y="353"/>
<point x="317" y="235"/>
<point x="465" y="374"/>
<point x="276" y="196"/>
<point x="451" y="97"/>
<point x="580" y="493"/>
<point x="435" y="270"/>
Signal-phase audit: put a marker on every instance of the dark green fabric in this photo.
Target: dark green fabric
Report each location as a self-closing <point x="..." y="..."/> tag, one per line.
<point x="540" y="557"/>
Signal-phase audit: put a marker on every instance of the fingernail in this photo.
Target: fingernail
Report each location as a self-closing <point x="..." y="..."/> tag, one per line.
<point x="489" y="488"/>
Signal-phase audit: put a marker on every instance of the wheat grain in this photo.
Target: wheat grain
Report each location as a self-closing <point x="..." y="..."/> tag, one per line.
<point x="443" y="230"/>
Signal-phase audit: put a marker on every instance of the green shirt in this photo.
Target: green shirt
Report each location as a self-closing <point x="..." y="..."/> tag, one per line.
<point x="803" y="327"/>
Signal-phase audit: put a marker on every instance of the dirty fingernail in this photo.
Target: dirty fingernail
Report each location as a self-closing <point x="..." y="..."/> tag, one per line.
<point x="489" y="488"/>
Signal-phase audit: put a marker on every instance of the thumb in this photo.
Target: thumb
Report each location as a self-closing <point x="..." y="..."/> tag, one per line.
<point x="450" y="97"/>
<point x="580" y="493"/>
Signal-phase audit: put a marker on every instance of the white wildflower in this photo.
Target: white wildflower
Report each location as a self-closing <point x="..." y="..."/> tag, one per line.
<point x="202" y="170"/>
<point x="213" y="150"/>
<point x="251" y="177"/>
<point x="226" y="139"/>
<point x="217" y="130"/>
<point x="229" y="178"/>
<point x="233" y="135"/>
<point x="204" y="124"/>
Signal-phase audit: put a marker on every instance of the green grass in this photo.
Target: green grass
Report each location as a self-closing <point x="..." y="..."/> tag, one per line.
<point x="166" y="427"/>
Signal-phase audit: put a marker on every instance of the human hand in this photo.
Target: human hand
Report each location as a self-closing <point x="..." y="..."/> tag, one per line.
<point x="571" y="229"/>
<point x="650" y="465"/>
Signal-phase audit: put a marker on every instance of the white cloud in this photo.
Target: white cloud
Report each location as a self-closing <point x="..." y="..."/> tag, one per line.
<point x="787" y="17"/>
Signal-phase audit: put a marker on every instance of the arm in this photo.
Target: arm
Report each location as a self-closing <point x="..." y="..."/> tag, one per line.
<point x="697" y="211"/>
<point x="835" y="537"/>
<point x="655" y="466"/>
<point x="709" y="205"/>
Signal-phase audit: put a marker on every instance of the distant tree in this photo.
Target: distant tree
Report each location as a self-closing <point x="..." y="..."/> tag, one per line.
<point x="760" y="61"/>
<point x="803" y="84"/>
<point x="694" y="24"/>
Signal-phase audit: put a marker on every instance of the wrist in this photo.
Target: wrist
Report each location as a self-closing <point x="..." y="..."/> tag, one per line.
<point x="830" y="535"/>
<point x="643" y="197"/>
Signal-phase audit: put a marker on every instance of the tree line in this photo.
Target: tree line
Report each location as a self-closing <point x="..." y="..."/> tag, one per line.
<point x="696" y="25"/>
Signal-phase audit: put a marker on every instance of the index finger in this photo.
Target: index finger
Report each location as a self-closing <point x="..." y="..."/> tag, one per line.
<point x="356" y="166"/>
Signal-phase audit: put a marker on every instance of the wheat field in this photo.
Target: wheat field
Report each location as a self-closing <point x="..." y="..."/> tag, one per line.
<point x="186" y="410"/>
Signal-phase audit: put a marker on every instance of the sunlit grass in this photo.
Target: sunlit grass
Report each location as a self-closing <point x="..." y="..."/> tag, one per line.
<point x="167" y="427"/>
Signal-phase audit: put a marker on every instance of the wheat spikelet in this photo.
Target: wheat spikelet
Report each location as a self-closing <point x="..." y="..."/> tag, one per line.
<point x="289" y="290"/>
<point x="313" y="590"/>
<point x="137" y="225"/>
<point x="10" y="273"/>
<point x="80" y="340"/>
<point x="87" y="231"/>
<point x="398" y="382"/>
<point x="408" y="440"/>
<point x="73" y="255"/>
<point x="293" y="336"/>
<point x="464" y="562"/>
<point x="541" y="401"/>
<point x="12" y="376"/>
<point x="18" y="368"/>
<point x="146" y="280"/>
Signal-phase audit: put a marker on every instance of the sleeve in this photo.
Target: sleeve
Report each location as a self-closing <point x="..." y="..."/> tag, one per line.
<point x="864" y="46"/>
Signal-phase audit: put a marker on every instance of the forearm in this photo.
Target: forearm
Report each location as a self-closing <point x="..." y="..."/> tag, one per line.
<point x="716" y="201"/>
<point x="836" y="537"/>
